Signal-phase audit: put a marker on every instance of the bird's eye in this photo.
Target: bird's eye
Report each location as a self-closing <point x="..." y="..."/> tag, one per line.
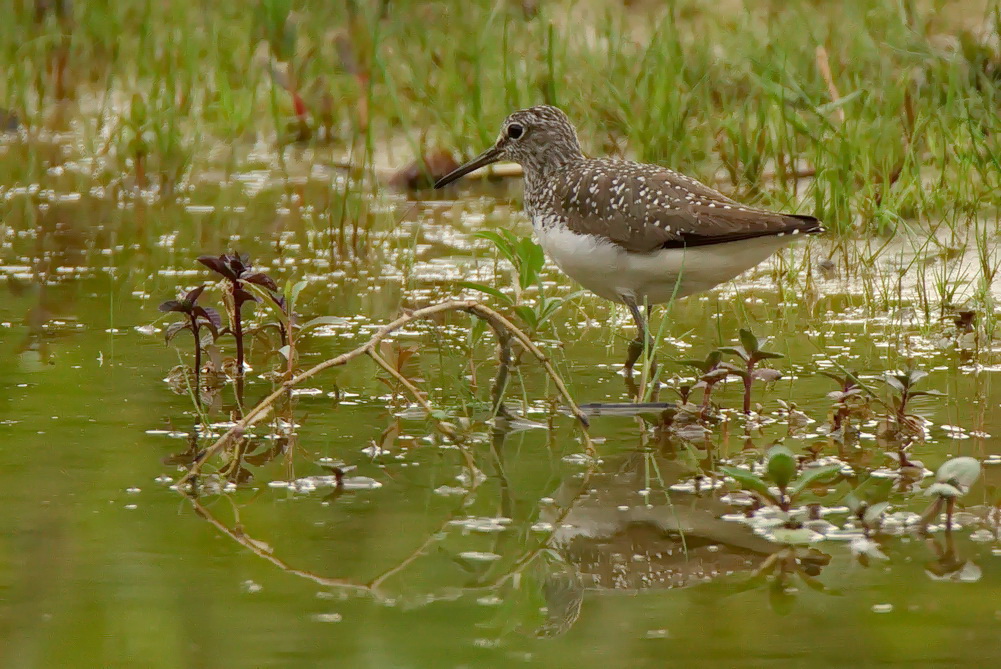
<point x="515" y="130"/>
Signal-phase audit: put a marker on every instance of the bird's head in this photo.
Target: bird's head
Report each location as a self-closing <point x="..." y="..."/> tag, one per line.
<point x="538" y="138"/>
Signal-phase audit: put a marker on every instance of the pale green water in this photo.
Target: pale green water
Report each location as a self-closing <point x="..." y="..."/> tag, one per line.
<point x="103" y="565"/>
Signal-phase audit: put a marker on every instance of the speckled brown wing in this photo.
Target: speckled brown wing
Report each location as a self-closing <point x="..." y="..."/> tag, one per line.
<point x="643" y="208"/>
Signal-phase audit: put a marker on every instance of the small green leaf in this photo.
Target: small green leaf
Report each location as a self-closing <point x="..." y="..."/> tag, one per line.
<point x="749" y="341"/>
<point x="895" y="381"/>
<point x="826" y="108"/>
<point x="489" y="290"/>
<point x="840" y="380"/>
<point x="852" y="502"/>
<point x="504" y="246"/>
<point x="207" y="339"/>
<point x="963" y="471"/>
<point x="946" y="490"/>
<point x="531" y="261"/>
<point x="813" y="475"/>
<point x="748" y="480"/>
<point x="738" y="351"/>
<point x="548" y="307"/>
<point x="766" y="374"/>
<point x="874" y="512"/>
<point x="477" y="329"/>
<point x="319" y="321"/>
<point x="927" y="393"/>
<point x="781" y="465"/>
<point x="171" y="331"/>
<point x="293" y="295"/>
<point x="706" y="365"/>
<point x="796" y="537"/>
<point x="717" y="375"/>
<point x="526" y="314"/>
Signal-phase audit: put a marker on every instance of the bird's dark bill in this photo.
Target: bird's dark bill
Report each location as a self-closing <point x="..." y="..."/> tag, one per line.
<point x="491" y="155"/>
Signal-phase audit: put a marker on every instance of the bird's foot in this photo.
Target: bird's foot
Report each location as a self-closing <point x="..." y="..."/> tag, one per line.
<point x="636" y="349"/>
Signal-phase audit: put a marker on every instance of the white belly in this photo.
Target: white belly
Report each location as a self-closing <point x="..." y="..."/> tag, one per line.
<point x="656" y="277"/>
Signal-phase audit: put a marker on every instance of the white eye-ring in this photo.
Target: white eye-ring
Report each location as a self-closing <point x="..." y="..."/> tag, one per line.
<point x="515" y="131"/>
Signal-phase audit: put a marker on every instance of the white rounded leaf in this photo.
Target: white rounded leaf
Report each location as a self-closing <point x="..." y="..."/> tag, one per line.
<point x="961" y="472"/>
<point x="795" y="537"/>
<point x="946" y="490"/>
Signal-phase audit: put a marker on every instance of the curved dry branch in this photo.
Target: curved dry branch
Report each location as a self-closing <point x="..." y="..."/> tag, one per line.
<point x="374" y="587"/>
<point x="257" y="549"/>
<point x="502" y="327"/>
<point x="501" y="324"/>
<point x="444" y="427"/>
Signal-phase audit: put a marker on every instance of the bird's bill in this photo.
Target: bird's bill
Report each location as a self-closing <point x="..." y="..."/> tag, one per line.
<point x="491" y="155"/>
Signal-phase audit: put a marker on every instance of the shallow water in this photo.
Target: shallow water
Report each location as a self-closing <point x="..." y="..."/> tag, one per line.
<point x="539" y="558"/>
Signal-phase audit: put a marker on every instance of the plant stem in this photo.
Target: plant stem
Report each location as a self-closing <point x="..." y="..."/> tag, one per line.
<point x="747" y="388"/>
<point x="198" y="360"/>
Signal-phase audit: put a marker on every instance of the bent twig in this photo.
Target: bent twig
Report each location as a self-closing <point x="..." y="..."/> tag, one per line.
<point x="502" y="327"/>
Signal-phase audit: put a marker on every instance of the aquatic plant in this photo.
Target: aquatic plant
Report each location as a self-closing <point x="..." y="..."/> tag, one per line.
<point x="952" y="480"/>
<point x="782" y="567"/>
<point x="903" y="385"/>
<point x="710" y="372"/>
<point x="236" y="270"/>
<point x="901" y="428"/>
<point x="282" y="304"/>
<point x="780" y="470"/>
<point x="851" y="402"/>
<point x="750" y="353"/>
<point x="197" y="317"/>
<point x="528" y="259"/>
<point x="868" y="501"/>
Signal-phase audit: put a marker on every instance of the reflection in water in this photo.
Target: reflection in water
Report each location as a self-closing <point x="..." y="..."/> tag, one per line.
<point x="947" y="564"/>
<point x="263" y="549"/>
<point x="601" y="530"/>
<point x="621" y="539"/>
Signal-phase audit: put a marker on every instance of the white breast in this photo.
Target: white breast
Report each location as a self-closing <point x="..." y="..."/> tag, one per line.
<point x="656" y="277"/>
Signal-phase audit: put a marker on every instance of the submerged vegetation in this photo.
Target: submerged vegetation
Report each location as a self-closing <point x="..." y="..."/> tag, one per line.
<point x="399" y="400"/>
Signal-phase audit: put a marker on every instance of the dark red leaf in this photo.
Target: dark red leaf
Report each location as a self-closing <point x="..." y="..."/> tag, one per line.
<point x="219" y="266"/>
<point x="210" y="314"/>
<point x="172" y="305"/>
<point x="174" y="328"/>
<point x="240" y="296"/>
<point x="261" y="279"/>
<point x="194" y="294"/>
<point x="237" y="262"/>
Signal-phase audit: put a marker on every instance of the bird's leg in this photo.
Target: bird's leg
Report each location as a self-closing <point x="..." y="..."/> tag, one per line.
<point x="642" y="341"/>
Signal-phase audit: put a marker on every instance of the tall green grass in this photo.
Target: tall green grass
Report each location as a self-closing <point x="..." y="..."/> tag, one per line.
<point x="735" y="95"/>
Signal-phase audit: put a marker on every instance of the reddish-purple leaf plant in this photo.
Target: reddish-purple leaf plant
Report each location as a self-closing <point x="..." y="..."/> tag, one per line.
<point x="236" y="269"/>
<point x="197" y="317"/>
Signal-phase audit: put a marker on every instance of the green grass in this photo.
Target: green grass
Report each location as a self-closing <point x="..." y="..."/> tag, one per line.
<point x="176" y="99"/>
<point x="738" y="94"/>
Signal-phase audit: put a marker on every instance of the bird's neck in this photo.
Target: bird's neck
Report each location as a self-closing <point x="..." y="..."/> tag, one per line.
<point x="540" y="173"/>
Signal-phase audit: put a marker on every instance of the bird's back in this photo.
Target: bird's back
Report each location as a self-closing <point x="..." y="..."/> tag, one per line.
<point x="643" y="207"/>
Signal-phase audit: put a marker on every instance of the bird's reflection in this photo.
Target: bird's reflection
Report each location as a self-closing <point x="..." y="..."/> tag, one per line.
<point x="613" y="527"/>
